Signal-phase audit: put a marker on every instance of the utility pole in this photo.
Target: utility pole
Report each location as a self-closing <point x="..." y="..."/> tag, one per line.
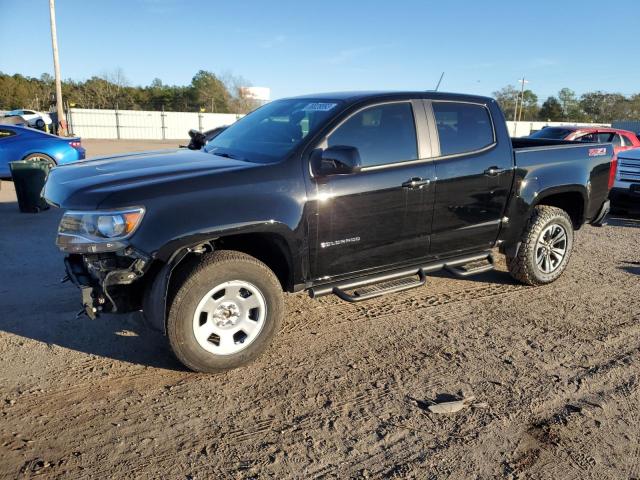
<point x="62" y="128"/>
<point x="515" y="111"/>
<point x="523" y="81"/>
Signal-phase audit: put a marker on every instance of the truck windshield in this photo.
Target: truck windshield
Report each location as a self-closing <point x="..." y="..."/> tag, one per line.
<point x="269" y="133"/>
<point x="552" y="133"/>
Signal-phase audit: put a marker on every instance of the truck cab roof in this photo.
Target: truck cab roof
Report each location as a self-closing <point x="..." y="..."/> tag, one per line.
<point x="358" y="96"/>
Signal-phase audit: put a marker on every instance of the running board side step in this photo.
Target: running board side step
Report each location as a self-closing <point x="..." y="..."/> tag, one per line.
<point x="382" y="288"/>
<point x="461" y="270"/>
<point x="372" y="286"/>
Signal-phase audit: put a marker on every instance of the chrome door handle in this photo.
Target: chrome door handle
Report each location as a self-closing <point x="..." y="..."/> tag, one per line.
<point x="416" y="183"/>
<point x="493" y="171"/>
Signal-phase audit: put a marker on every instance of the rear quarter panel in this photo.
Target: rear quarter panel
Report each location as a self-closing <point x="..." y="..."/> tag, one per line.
<point x="544" y="171"/>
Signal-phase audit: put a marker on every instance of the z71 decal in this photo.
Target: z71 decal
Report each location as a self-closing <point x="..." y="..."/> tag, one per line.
<point x="597" y="152"/>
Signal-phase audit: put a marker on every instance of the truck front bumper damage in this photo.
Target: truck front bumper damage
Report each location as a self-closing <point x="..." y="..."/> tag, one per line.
<point x="100" y="278"/>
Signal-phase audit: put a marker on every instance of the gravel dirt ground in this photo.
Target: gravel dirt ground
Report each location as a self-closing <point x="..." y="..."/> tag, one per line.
<point x="344" y="390"/>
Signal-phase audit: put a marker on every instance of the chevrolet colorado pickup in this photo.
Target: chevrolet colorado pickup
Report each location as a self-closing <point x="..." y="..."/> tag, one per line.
<point x="352" y="194"/>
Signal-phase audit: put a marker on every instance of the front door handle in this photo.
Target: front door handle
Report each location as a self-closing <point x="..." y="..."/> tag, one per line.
<point x="493" y="171"/>
<point x="416" y="183"/>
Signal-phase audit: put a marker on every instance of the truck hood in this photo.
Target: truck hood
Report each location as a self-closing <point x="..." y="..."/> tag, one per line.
<point x="85" y="184"/>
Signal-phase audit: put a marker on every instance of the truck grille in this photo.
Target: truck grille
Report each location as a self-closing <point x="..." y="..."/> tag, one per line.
<point x="628" y="170"/>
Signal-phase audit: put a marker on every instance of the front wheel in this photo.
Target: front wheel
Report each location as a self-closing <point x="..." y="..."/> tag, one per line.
<point x="226" y="312"/>
<point x="545" y="247"/>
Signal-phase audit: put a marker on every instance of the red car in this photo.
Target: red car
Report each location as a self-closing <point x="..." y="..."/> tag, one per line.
<point x="621" y="139"/>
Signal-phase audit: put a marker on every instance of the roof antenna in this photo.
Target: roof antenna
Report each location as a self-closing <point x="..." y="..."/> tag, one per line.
<point x="438" y="85"/>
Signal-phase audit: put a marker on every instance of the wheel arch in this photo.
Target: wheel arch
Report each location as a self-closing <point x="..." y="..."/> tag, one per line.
<point x="571" y="200"/>
<point x="271" y="248"/>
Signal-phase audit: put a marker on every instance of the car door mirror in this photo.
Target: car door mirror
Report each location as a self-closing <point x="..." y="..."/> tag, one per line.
<point x="337" y="160"/>
<point x="198" y="139"/>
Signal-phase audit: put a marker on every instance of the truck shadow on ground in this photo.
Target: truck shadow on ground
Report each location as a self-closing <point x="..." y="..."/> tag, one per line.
<point x="34" y="305"/>
<point x="119" y="337"/>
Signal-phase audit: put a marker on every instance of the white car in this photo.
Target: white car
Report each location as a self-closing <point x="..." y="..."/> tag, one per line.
<point x="31" y="117"/>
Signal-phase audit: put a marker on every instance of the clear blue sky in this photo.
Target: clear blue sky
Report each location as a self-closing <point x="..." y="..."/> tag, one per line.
<point x="298" y="47"/>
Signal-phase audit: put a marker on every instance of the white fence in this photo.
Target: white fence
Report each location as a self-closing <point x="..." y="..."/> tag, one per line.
<point x="142" y="125"/>
<point x="150" y="125"/>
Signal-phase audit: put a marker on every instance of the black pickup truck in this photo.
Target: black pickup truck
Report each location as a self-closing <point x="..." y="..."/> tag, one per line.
<point x="352" y="194"/>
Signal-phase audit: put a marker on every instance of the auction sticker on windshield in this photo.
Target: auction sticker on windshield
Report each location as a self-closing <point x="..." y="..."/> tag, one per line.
<point x="319" y="107"/>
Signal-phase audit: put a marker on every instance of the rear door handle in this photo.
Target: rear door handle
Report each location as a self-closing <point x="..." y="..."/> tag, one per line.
<point x="493" y="171"/>
<point x="416" y="182"/>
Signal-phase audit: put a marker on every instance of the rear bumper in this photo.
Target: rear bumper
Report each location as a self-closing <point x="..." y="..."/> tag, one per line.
<point x="599" y="219"/>
<point x="624" y="198"/>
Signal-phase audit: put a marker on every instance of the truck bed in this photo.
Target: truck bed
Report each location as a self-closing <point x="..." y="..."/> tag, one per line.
<point x="554" y="163"/>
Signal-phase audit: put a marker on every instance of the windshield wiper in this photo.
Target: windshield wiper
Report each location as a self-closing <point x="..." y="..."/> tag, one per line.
<point x="231" y="156"/>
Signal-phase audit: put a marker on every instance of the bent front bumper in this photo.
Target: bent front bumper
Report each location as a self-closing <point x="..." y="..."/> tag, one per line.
<point x="108" y="282"/>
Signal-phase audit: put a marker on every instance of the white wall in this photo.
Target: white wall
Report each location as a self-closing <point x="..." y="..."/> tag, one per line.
<point x="143" y="125"/>
<point x="149" y="125"/>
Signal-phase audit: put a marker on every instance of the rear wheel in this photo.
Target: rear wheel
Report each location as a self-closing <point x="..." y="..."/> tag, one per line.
<point x="545" y="247"/>
<point x="225" y="313"/>
<point x="41" y="156"/>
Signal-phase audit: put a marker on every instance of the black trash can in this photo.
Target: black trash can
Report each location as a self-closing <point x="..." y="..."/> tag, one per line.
<point x="29" y="177"/>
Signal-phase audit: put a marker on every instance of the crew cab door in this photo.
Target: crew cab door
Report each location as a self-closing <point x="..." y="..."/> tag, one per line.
<point x="474" y="174"/>
<point x="381" y="215"/>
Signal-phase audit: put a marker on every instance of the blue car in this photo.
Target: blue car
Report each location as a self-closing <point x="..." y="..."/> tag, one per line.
<point x="23" y="143"/>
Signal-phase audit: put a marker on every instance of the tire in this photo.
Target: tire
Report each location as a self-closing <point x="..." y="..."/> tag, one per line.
<point x="525" y="266"/>
<point x="41" y="156"/>
<point x="235" y="297"/>
<point x="40" y="123"/>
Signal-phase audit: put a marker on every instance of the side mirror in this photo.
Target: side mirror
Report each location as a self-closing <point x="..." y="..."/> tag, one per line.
<point x="198" y="139"/>
<point x="337" y="160"/>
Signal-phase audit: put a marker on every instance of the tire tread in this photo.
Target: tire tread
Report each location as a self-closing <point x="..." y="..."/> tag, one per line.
<point x="519" y="266"/>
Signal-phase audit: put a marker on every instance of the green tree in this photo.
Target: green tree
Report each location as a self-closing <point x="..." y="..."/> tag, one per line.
<point x="506" y="98"/>
<point x="551" y="110"/>
<point x="209" y="92"/>
<point x="569" y="102"/>
<point x="529" y="106"/>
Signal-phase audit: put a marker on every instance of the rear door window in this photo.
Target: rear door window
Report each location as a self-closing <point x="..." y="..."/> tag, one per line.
<point x="604" y="137"/>
<point x="382" y="134"/>
<point x="616" y="140"/>
<point x="463" y="127"/>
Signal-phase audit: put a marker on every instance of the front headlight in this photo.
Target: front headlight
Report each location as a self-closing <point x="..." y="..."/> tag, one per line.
<point x="97" y="231"/>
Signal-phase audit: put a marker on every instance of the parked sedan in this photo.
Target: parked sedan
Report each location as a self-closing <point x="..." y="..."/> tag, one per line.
<point x="621" y="139"/>
<point x="23" y="143"/>
<point x="31" y="117"/>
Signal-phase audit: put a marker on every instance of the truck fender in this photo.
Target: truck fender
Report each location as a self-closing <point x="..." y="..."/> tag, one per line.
<point x="154" y="301"/>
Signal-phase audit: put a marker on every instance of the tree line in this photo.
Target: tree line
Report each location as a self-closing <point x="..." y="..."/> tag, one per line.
<point x="566" y="106"/>
<point x="222" y="93"/>
<point x="207" y="92"/>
